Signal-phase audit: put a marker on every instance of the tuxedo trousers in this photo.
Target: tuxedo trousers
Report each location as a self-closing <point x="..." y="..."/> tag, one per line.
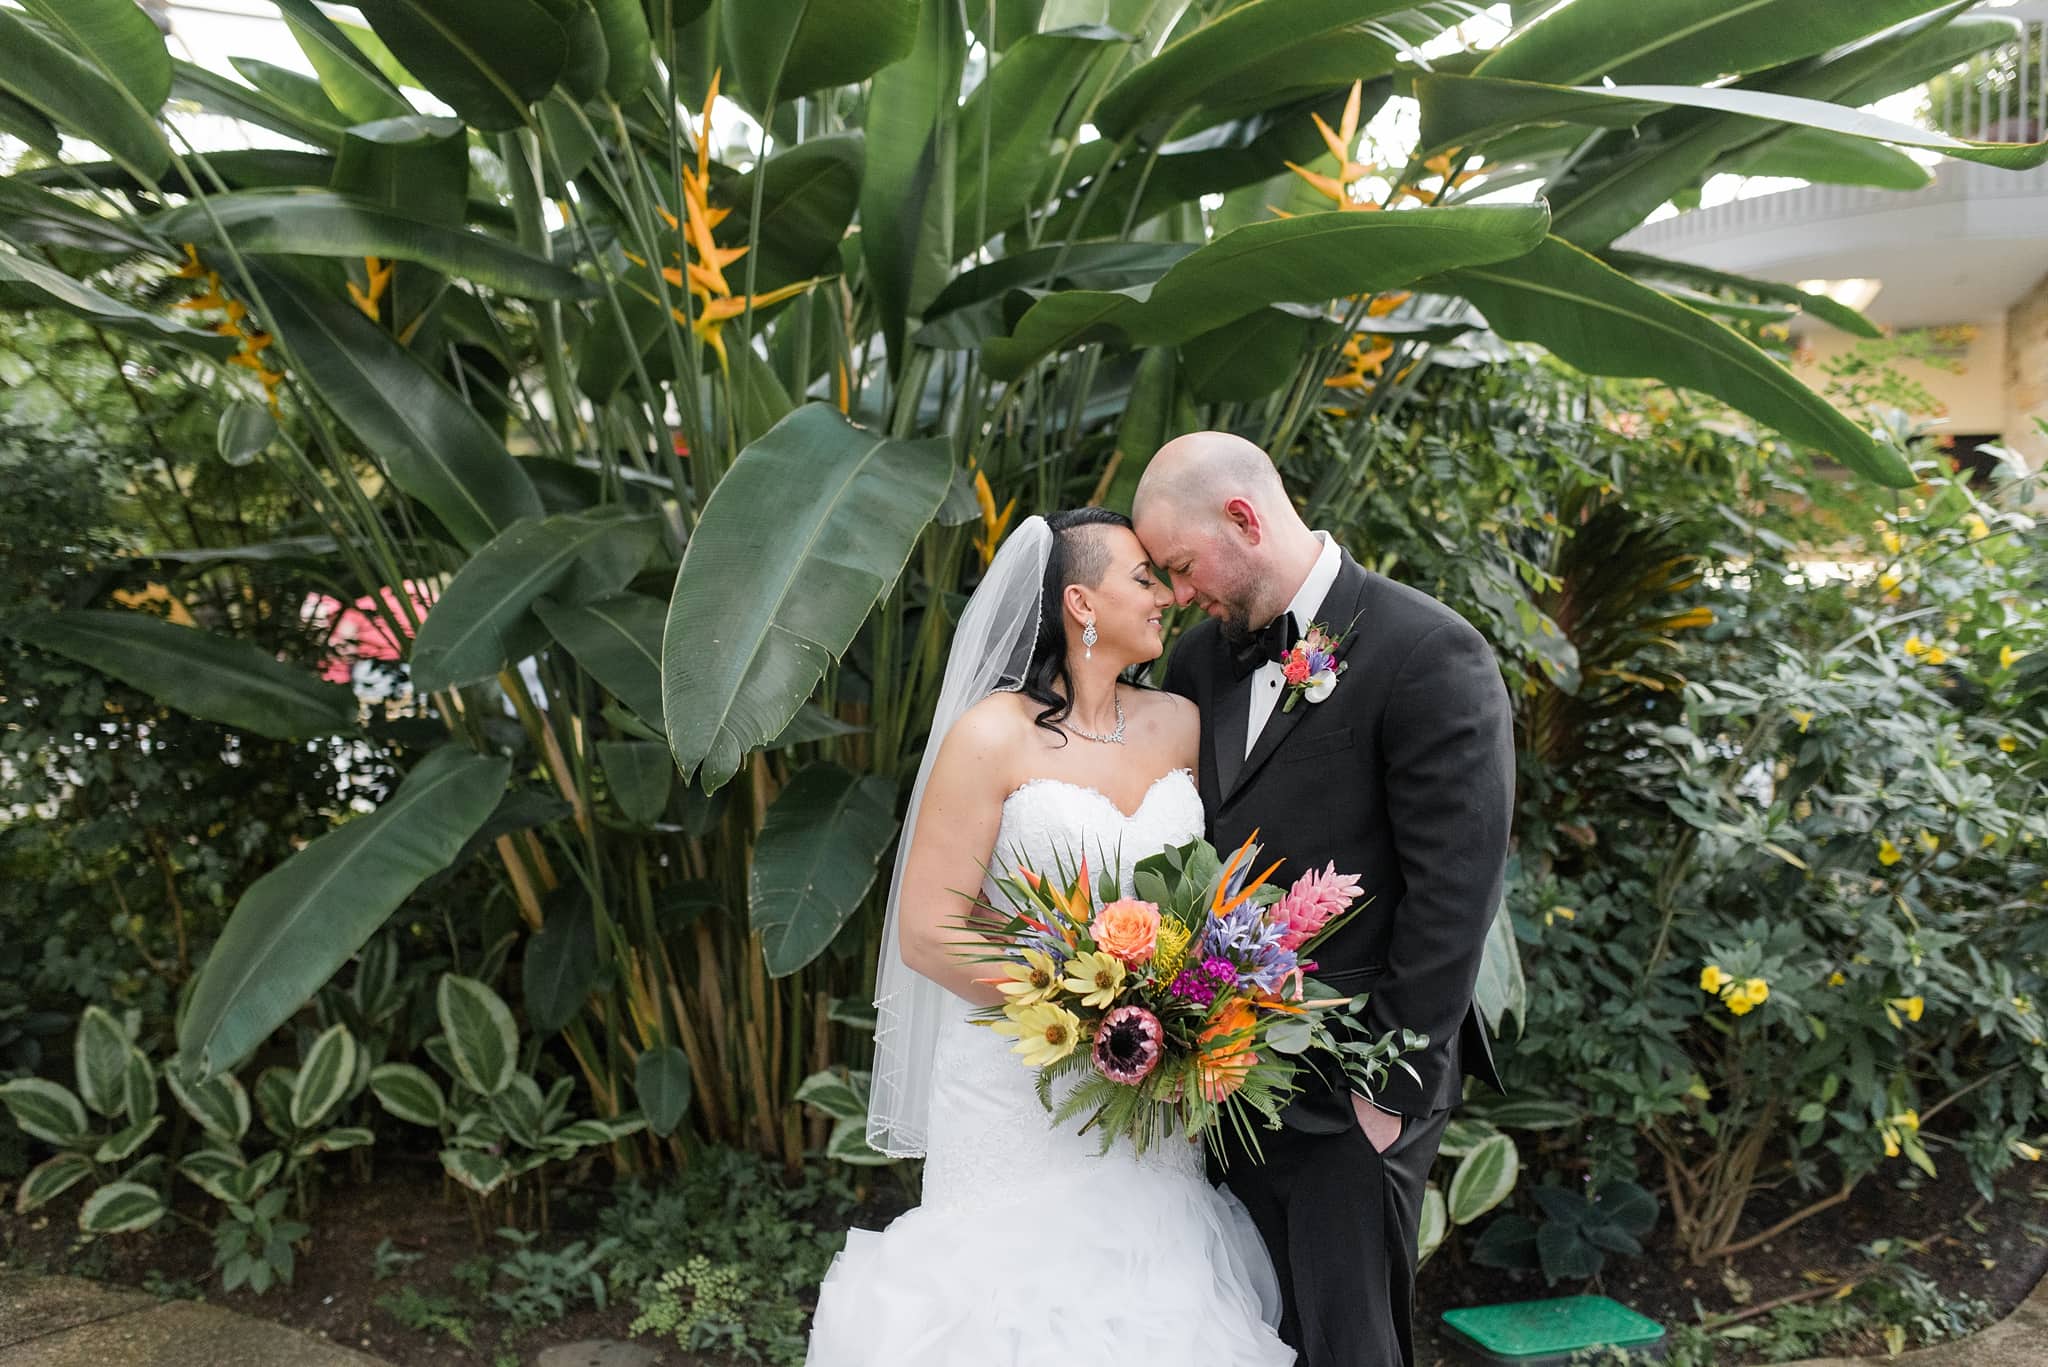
<point x="1340" y="1219"/>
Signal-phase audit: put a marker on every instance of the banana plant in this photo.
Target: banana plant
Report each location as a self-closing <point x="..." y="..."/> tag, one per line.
<point x="713" y="419"/>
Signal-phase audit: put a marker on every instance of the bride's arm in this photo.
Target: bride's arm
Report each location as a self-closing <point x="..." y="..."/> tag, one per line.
<point x="953" y="842"/>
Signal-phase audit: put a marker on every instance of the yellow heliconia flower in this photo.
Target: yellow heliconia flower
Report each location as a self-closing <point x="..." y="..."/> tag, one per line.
<point x="1756" y="991"/>
<point x="1035" y="980"/>
<point x="370" y="301"/>
<point x="1342" y="141"/>
<point x="1094" y="977"/>
<point x="1712" y="979"/>
<point x="1803" y="717"/>
<point x="1045" y="1033"/>
<point x="1914" y="647"/>
<point x="2008" y="743"/>
<point x="993" y="523"/>
<point x="1361" y="365"/>
<point x="1929" y="841"/>
<point x="1888" y="853"/>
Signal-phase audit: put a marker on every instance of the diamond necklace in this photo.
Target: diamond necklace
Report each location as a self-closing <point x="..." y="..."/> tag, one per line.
<point x="1115" y="737"/>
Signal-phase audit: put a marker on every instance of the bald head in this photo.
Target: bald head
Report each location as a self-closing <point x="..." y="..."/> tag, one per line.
<point x="1214" y="515"/>
<point x="1205" y="470"/>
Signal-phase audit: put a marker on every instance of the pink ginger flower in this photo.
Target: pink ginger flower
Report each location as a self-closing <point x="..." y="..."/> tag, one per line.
<point x="1310" y="904"/>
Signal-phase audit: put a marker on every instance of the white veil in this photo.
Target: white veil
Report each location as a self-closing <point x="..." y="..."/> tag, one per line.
<point x="991" y="649"/>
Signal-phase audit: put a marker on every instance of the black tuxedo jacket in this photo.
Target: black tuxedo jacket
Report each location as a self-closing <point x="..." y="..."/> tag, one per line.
<point x="1403" y="775"/>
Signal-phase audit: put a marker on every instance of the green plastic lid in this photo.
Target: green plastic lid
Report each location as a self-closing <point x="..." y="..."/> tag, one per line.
<point x="1562" y="1325"/>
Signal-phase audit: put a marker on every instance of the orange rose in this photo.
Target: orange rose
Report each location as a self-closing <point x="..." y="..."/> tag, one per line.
<point x="1127" y="929"/>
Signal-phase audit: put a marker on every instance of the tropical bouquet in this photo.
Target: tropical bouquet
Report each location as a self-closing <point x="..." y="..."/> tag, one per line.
<point x="1185" y="1008"/>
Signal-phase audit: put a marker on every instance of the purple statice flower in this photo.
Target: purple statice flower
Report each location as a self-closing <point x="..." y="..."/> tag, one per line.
<point x="1201" y="983"/>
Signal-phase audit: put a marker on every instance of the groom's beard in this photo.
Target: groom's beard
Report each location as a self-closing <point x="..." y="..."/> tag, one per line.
<point x="1236" y="624"/>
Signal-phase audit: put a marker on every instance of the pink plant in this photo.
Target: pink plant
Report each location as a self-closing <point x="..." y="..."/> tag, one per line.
<point x="1310" y="904"/>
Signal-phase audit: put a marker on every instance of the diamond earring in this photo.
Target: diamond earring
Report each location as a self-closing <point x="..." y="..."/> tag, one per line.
<point x="1088" y="640"/>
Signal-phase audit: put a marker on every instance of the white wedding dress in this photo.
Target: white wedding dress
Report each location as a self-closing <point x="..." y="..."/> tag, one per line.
<point x="1032" y="1248"/>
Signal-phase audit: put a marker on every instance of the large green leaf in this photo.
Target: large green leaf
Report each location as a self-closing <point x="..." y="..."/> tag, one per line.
<point x="1274" y="50"/>
<point x="1825" y="158"/>
<point x="1683" y="273"/>
<point x="218" y="1103"/>
<point x="60" y="290"/>
<point x="810" y="195"/>
<point x="118" y="39"/>
<point x="820" y="846"/>
<point x="638" y="774"/>
<point x="1483" y="1179"/>
<point x="1685" y="41"/>
<point x="297" y="92"/>
<point x="661" y="1084"/>
<point x="324" y="1078"/>
<point x="358" y="87"/>
<point x="1501" y="987"/>
<point x="418" y="164"/>
<point x="46" y="1110"/>
<point x="329" y="223"/>
<point x="627" y="47"/>
<point x="409" y="1093"/>
<point x="484" y="620"/>
<point x="482" y="1039"/>
<point x="42" y="71"/>
<point x="969" y="310"/>
<point x="1459" y="110"/>
<point x="121" y="1208"/>
<point x="299" y="923"/>
<point x="1594" y="317"/>
<point x="618" y="639"/>
<point x="1253" y="356"/>
<point x="906" y="196"/>
<point x="801" y="538"/>
<point x="434" y="444"/>
<point x="561" y="964"/>
<point x="216" y="94"/>
<point x="235" y="683"/>
<point x="1308" y="260"/>
<point x="50" y="1179"/>
<point x="777" y="50"/>
<point x="99" y="1059"/>
<point x="31" y="216"/>
<point x="489" y="59"/>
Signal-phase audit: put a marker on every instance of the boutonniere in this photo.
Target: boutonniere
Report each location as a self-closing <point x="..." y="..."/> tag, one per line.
<point x="1311" y="667"/>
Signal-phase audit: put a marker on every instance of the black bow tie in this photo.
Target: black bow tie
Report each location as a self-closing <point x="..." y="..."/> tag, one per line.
<point x="1270" y="642"/>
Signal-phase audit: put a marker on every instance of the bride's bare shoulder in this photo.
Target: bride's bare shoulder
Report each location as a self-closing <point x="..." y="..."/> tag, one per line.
<point x="987" y="734"/>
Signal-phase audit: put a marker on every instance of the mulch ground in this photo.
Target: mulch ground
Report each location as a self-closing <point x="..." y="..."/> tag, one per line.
<point x="1995" y="1252"/>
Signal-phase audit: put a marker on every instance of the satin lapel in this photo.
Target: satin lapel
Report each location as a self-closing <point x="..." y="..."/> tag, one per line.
<point x="1229" y="719"/>
<point x="1339" y="605"/>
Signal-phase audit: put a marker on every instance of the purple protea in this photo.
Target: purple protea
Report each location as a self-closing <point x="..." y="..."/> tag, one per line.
<point x="1128" y="1045"/>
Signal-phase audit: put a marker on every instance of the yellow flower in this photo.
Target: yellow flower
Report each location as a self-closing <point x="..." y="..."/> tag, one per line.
<point x="1556" y="914"/>
<point x="1045" y="1033"/>
<point x="1035" y="980"/>
<point x="1890" y="539"/>
<point x="1836" y="979"/>
<point x="1095" y="977"/>
<point x="1712" y="978"/>
<point x="1977" y="528"/>
<point x="1739" y="1005"/>
<point x="2008" y="743"/>
<point x="1913" y="1007"/>
<point x="1888" y="582"/>
<point x="1929" y="841"/>
<point x="370" y="301"/>
<point x="1936" y="655"/>
<point x="1756" y="991"/>
<point x="1915" y="647"/>
<point x="2023" y="1004"/>
<point x="1907" y="1121"/>
<point x="1804" y="718"/>
<point x="1171" y="949"/>
<point x="993" y="523"/>
<point x="2008" y="657"/>
<point x="2025" y="1150"/>
<point x="1891" y="1142"/>
<point x="1888" y="853"/>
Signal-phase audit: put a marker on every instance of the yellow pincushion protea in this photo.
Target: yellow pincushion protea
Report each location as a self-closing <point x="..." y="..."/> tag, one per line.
<point x="1045" y="1033"/>
<point x="1171" y="955"/>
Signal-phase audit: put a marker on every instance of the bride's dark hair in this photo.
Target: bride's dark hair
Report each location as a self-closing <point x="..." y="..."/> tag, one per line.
<point x="1077" y="556"/>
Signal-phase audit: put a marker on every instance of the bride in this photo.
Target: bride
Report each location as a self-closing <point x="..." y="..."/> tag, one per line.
<point x="1031" y="1247"/>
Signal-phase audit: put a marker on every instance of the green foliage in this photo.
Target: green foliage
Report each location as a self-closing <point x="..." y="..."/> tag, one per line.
<point x="543" y="1287"/>
<point x="1572" y="1240"/>
<point x="252" y="1244"/>
<point x="428" y="1313"/>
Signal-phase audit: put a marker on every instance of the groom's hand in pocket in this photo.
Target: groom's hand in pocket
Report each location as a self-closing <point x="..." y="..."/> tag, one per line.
<point x="1381" y="1128"/>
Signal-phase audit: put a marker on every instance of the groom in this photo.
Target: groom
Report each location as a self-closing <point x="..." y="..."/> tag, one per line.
<point x="1402" y="774"/>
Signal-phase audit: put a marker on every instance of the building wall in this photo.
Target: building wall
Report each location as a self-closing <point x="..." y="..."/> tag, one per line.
<point x="1973" y="398"/>
<point x="2026" y="375"/>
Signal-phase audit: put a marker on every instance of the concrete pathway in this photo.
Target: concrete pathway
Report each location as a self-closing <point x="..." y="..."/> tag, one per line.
<point x="70" y="1322"/>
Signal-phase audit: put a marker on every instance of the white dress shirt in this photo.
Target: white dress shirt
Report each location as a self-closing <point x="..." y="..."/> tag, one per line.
<point x="1269" y="678"/>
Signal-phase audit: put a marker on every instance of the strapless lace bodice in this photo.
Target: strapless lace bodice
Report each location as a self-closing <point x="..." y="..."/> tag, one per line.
<point x="986" y="1121"/>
